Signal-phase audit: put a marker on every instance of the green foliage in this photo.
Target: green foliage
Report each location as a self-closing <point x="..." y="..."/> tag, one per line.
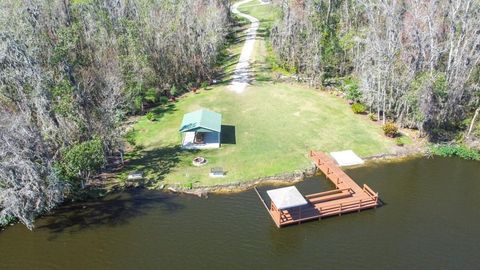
<point x="399" y="141"/>
<point x="358" y="108"/>
<point x="83" y="159"/>
<point x="130" y="137"/>
<point x="452" y="150"/>
<point x="162" y="100"/>
<point x="426" y="81"/>
<point x="390" y="129"/>
<point x="347" y="41"/>
<point x="4" y="221"/>
<point x="188" y="185"/>
<point x="138" y="103"/>
<point x="440" y="85"/>
<point x="331" y="52"/>
<point x="476" y="131"/>
<point x="81" y="2"/>
<point x="173" y="91"/>
<point x="351" y="88"/>
<point x="152" y="96"/>
<point x="412" y="99"/>
<point x="68" y="39"/>
<point x="204" y="85"/>
<point x="62" y="98"/>
<point x="372" y="117"/>
<point x="353" y="91"/>
<point x="150" y="116"/>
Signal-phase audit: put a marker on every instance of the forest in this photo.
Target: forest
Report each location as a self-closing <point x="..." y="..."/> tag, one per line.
<point x="412" y="62"/>
<point x="73" y="71"/>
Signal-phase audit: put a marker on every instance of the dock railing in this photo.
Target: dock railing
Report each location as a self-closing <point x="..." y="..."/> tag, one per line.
<point x="370" y="192"/>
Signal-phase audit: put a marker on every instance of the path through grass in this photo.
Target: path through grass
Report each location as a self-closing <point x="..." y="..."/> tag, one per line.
<point x="271" y="127"/>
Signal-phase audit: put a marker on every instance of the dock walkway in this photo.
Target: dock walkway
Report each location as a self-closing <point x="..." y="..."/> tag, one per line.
<point x="347" y="197"/>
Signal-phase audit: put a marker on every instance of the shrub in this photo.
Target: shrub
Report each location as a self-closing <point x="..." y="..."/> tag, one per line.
<point x="390" y="129"/>
<point x="350" y="87"/>
<point x="188" y="185"/>
<point x="6" y="220"/>
<point x="162" y="100"/>
<point x="453" y="150"/>
<point x="204" y="85"/>
<point x="372" y="117"/>
<point x="150" y="116"/>
<point x="358" y="108"/>
<point x="151" y="95"/>
<point x="130" y="137"/>
<point x="83" y="159"/>
<point x="354" y="94"/>
<point x="173" y="91"/>
<point x="399" y="141"/>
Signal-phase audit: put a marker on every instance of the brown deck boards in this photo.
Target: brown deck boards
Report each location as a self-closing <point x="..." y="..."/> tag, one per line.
<point x="347" y="197"/>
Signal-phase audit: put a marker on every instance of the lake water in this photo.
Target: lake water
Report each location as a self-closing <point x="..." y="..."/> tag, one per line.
<point x="430" y="220"/>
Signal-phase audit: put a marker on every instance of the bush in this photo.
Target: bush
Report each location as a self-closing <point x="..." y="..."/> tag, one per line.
<point x="204" y="85"/>
<point x="188" y="185"/>
<point x="390" y="130"/>
<point x="455" y="151"/>
<point x="399" y="141"/>
<point x="150" y="116"/>
<point x="358" y="108"/>
<point x="130" y="137"/>
<point x="372" y="117"/>
<point x="173" y="91"/>
<point x="350" y="87"/>
<point x="151" y="95"/>
<point x="83" y="159"/>
<point x="4" y="221"/>
<point x="162" y="100"/>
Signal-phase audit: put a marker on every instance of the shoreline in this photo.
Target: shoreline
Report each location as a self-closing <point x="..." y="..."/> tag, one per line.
<point x="279" y="180"/>
<point x="290" y="178"/>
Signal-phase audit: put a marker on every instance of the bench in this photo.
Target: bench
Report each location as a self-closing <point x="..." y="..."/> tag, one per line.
<point x="217" y="172"/>
<point x="331" y="197"/>
<point x="135" y="176"/>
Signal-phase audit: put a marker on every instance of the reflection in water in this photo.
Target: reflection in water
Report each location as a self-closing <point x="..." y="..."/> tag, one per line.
<point x="115" y="210"/>
<point x="429" y="220"/>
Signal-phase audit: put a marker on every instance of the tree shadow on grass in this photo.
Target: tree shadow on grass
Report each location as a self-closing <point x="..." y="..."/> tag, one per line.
<point x="163" y="109"/>
<point x="113" y="210"/>
<point x="157" y="163"/>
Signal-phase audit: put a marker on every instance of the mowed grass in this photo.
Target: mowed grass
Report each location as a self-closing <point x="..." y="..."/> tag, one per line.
<point x="275" y="127"/>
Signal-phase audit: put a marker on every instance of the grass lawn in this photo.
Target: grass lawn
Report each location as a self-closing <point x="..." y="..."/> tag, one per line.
<point x="275" y="126"/>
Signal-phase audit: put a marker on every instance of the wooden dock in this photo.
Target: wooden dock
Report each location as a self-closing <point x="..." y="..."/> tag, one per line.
<point x="347" y="197"/>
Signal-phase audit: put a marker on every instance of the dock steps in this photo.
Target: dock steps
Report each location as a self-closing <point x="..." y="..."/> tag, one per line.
<point x="347" y="197"/>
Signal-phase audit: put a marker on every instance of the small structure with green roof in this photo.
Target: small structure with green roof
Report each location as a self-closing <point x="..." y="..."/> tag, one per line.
<point x="201" y="129"/>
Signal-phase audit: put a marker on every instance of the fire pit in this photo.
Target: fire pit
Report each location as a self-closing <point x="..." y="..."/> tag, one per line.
<point x="199" y="161"/>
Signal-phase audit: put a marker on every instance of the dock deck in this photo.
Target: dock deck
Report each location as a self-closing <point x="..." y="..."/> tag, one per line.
<point x="347" y="197"/>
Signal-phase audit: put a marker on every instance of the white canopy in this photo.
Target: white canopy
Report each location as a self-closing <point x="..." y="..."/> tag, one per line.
<point x="286" y="197"/>
<point x="346" y="158"/>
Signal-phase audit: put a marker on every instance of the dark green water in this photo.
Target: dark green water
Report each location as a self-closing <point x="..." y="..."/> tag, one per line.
<point x="430" y="220"/>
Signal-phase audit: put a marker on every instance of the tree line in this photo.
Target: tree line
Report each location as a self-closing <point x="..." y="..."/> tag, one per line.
<point x="410" y="61"/>
<point x="72" y="70"/>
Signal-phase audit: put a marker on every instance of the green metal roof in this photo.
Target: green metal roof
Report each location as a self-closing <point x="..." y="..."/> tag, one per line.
<point x="201" y="121"/>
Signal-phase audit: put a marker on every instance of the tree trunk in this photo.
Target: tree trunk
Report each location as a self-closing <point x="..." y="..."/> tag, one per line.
<point x="473" y="122"/>
<point x="327" y="21"/>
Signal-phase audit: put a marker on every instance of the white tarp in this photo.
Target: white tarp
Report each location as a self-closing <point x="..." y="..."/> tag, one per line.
<point x="286" y="197"/>
<point x="346" y="158"/>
